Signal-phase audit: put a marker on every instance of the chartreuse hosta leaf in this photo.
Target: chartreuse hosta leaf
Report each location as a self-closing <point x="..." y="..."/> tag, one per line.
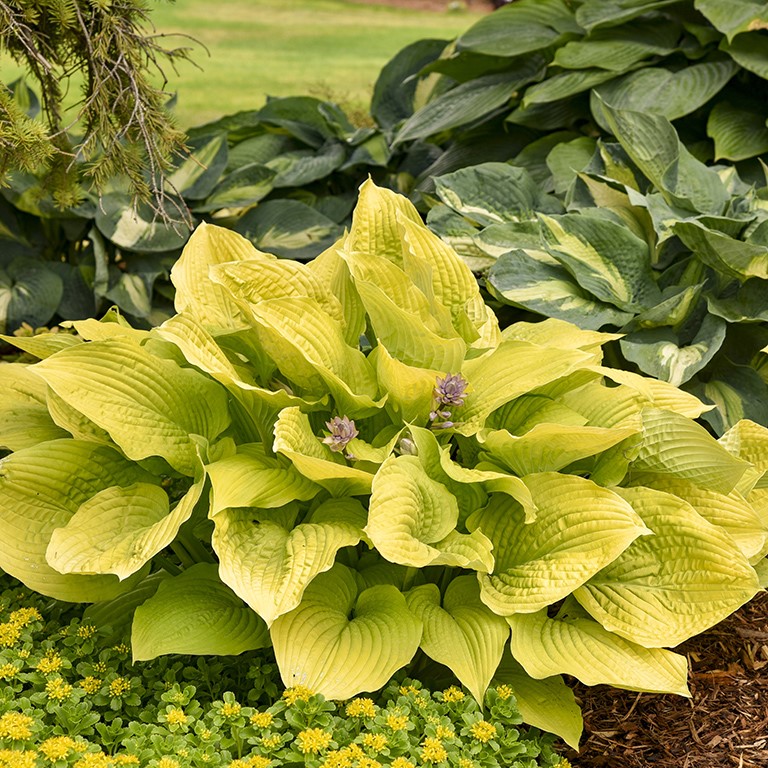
<point x="44" y="344"/>
<point x="548" y="704"/>
<point x="749" y="441"/>
<point x="675" y="445"/>
<point x="270" y="565"/>
<point x="24" y="417"/>
<point x="462" y="633"/>
<point x="731" y="512"/>
<point x="579" y="529"/>
<point x="194" y="613"/>
<point x="195" y="292"/>
<point x="515" y="367"/>
<point x="149" y="406"/>
<point x="670" y="586"/>
<point x="41" y="488"/>
<point x="295" y="439"/>
<point x="253" y="479"/>
<point x="119" y="530"/>
<point x="582" y="648"/>
<point x="412" y="520"/>
<point x="340" y="642"/>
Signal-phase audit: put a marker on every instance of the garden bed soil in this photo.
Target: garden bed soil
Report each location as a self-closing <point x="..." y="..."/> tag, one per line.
<point x="723" y="725"/>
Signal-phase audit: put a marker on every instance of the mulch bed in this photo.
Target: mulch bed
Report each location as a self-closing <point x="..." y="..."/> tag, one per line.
<point x="724" y="724"/>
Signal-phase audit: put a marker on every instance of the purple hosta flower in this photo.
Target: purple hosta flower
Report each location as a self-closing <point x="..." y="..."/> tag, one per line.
<point x="342" y="430"/>
<point x="450" y="389"/>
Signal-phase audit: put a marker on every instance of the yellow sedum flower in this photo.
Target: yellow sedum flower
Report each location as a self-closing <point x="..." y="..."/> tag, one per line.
<point x="337" y="759"/>
<point x="433" y="751"/>
<point x="401" y="762"/>
<point x="7" y="671"/>
<point x="503" y="691"/>
<point x="119" y="686"/>
<point x="9" y="634"/>
<point x="121" y="648"/>
<point x="297" y="693"/>
<point x="57" y="689"/>
<point x="482" y="730"/>
<point x="125" y="759"/>
<point x="564" y="763"/>
<point x="262" y="719"/>
<point x="444" y="732"/>
<point x="93" y="760"/>
<point x="57" y="747"/>
<point x="167" y="762"/>
<point x="230" y="710"/>
<point x="270" y="742"/>
<point x="258" y="761"/>
<point x="355" y="752"/>
<point x="15" y="726"/>
<point x="312" y="740"/>
<point x="90" y="684"/>
<point x="24" y="653"/>
<point x="375" y="741"/>
<point x="368" y="762"/>
<point x="465" y="762"/>
<point x="85" y="631"/>
<point x="176" y="716"/>
<point x="11" y="758"/>
<point x="50" y="663"/>
<point x="24" y="616"/>
<point x="361" y="708"/>
<point x="453" y="694"/>
<point x="100" y="667"/>
<point x="405" y="690"/>
<point x="397" y="722"/>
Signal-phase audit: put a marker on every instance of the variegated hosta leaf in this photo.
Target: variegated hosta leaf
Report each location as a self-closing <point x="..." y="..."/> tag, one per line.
<point x="582" y="648"/>
<point x="515" y="368"/>
<point x="119" y="530"/>
<point x="253" y="479"/>
<point x="319" y="646"/>
<point x="412" y="520"/>
<point x="41" y="488"/>
<point x="731" y="512"/>
<point x="148" y="405"/>
<point x="548" y="704"/>
<point x="550" y="447"/>
<point x="268" y="565"/>
<point x="194" y="613"/>
<point x="24" y="417"/>
<point x="196" y="294"/>
<point x="579" y="529"/>
<point x="670" y="586"/>
<point x="295" y="439"/>
<point x="675" y="445"/>
<point x="310" y="349"/>
<point x="749" y="441"/>
<point x="462" y="634"/>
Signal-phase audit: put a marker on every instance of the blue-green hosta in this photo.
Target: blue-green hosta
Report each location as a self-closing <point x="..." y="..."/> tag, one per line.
<point x="348" y="460"/>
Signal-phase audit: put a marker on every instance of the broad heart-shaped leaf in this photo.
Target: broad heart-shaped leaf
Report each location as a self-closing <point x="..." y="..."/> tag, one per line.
<point x="663" y="92"/>
<point x="550" y="447"/>
<point x="610" y="13"/>
<point x="24" y="417"/>
<point x="545" y="287"/>
<point x="738" y="133"/>
<point x="241" y="188"/>
<point x="674" y="445"/>
<point x="670" y="586"/>
<point x="749" y="441"/>
<point x="462" y="634"/>
<point x="30" y="293"/>
<point x="658" y="351"/>
<point x="732" y="257"/>
<point x="339" y="642"/>
<point x="749" y="51"/>
<point x="471" y="101"/>
<point x="268" y="565"/>
<point x="579" y="528"/>
<point x="194" y="613"/>
<point x="412" y="520"/>
<point x="515" y="367"/>
<point x="310" y="349"/>
<point x="196" y="174"/>
<point x="149" y="406"/>
<point x="735" y="17"/>
<point x="525" y="26"/>
<point x="731" y="512"/>
<point x="208" y="302"/>
<point x="582" y="648"/>
<point x="548" y="704"/>
<point x="295" y="439"/>
<point x="41" y="488"/>
<point x="605" y="258"/>
<point x="253" y="479"/>
<point x="119" y="530"/>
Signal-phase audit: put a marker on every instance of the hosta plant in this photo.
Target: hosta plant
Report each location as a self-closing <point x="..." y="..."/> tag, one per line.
<point x="348" y="460"/>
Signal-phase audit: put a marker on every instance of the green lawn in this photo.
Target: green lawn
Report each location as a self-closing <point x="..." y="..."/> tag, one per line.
<point x="328" y="48"/>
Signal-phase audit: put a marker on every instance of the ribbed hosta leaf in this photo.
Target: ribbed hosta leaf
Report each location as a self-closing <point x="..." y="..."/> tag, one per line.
<point x="748" y="441"/>
<point x="734" y="16"/>
<point x="579" y="529"/>
<point x="148" y="405"/>
<point x="119" y="530"/>
<point x="268" y="565"/>
<point x="194" y="613"/>
<point x="412" y="520"/>
<point x="339" y="641"/>
<point x="675" y="584"/>
<point x="461" y="633"/>
<point x="41" y="488"/>
<point x="582" y="648"/>
<point x="738" y="133"/>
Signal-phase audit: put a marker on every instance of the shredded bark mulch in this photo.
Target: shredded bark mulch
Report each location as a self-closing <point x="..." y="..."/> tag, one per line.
<point x="724" y="724"/>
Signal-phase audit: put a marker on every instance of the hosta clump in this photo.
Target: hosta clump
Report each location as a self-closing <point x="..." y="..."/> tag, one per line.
<point x="348" y="460"/>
